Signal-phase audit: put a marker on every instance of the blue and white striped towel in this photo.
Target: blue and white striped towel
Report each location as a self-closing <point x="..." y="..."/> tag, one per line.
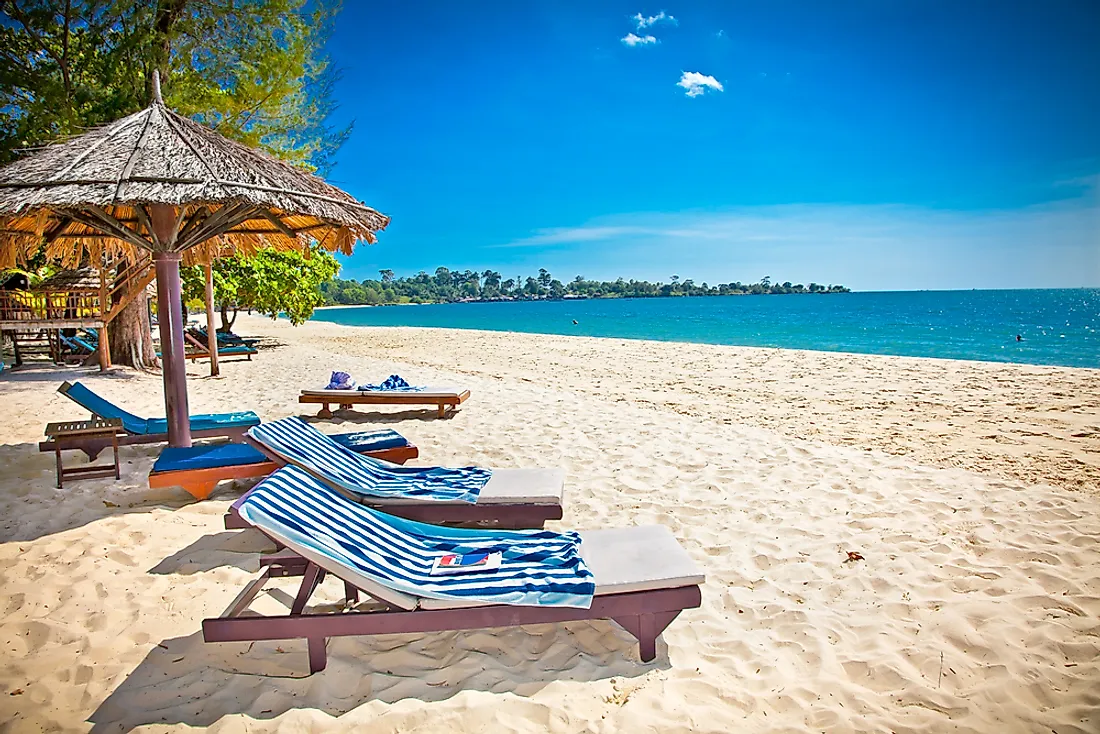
<point x="303" y="445"/>
<point x="538" y="567"/>
<point x="393" y="383"/>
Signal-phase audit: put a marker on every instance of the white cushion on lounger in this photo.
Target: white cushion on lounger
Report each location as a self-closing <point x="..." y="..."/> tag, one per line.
<point x="637" y="559"/>
<point x="624" y="560"/>
<point x="523" y="486"/>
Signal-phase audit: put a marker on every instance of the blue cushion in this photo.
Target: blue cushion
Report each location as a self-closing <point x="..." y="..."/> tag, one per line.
<point x="209" y="456"/>
<point x="105" y="409"/>
<point x="147" y="426"/>
<point x="363" y="441"/>
<point x="207" y="421"/>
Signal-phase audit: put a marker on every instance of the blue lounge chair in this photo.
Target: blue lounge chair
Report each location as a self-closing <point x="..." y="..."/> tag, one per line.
<point x="150" y="430"/>
<point x="78" y="345"/>
<point x="199" y="349"/>
<point x="224" y="338"/>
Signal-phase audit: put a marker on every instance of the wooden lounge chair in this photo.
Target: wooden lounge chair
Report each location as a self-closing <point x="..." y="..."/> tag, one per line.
<point x="642" y="577"/>
<point x="225" y="339"/>
<point x="150" y="430"/>
<point x="512" y="498"/>
<point x="198" y="469"/>
<point x="446" y="398"/>
<point x="196" y="349"/>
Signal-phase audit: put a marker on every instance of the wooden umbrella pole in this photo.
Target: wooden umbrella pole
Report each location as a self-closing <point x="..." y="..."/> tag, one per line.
<point x="104" y="346"/>
<point x="169" y="294"/>
<point x="211" y="332"/>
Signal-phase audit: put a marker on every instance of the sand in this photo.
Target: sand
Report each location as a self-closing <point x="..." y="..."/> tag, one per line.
<point x="976" y="606"/>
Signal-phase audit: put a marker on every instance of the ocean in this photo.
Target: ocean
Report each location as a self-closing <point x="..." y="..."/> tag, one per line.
<point x="1058" y="327"/>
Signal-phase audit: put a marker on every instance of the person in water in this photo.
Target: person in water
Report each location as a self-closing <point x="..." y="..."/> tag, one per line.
<point x="1019" y="338"/>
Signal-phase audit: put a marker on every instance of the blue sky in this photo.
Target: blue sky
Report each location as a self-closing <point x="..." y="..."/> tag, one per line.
<point x="882" y="144"/>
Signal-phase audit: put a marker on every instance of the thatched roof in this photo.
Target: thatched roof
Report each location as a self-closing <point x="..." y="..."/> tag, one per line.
<point x="82" y="279"/>
<point x="89" y="196"/>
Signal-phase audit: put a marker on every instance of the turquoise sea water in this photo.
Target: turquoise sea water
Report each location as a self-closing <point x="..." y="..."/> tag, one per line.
<point x="1059" y="327"/>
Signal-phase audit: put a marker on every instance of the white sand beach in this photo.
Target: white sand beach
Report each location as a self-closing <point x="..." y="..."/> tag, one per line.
<point x="971" y="491"/>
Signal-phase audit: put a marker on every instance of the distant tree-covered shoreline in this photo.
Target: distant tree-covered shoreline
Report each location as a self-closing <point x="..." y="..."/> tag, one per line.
<point x="453" y="286"/>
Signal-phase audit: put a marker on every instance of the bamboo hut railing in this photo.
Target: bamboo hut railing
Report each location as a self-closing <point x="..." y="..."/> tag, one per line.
<point x="60" y="309"/>
<point x="82" y="307"/>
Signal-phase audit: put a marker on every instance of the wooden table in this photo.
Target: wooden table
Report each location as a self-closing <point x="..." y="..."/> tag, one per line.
<point x="74" y="434"/>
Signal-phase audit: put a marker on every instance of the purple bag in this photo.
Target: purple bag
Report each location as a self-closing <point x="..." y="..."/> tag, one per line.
<point x="340" y="381"/>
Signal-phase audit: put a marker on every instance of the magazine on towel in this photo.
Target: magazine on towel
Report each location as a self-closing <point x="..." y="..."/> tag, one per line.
<point x="453" y="563"/>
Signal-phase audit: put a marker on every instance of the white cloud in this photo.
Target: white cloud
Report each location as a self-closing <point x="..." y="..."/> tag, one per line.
<point x="862" y="246"/>
<point x="695" y="83"/>
<point x="631" y="40"/>
<point x="568" y="235"/>
<point x="645" y="22"/>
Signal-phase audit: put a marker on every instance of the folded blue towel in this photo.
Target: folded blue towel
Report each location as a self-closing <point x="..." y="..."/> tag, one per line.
<point x="340" y="381"/>
<point x="392" y="383"/>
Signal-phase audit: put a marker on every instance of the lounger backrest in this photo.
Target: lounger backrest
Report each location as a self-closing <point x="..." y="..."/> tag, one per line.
<point x="301" y="444"/>
<point x="100" y="406"/>
<point x="391" y="558"/>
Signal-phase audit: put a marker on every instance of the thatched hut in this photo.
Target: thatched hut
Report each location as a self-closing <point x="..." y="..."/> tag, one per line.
<point x="156" y="183"/>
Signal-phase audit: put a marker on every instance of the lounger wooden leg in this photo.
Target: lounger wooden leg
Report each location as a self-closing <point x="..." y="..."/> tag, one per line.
<point x="118" y="468"/>
<point x="310" y="580"/>
<point x="647" y="639"/>
<point x="250" y="592"/>
<point x="318" y="657"/>
<point x="324" y="412"/>
<point x="442" y="410"/>
<point x="60" y="471"/>
<point x="351" y="594"/>
<point x="646" y="628"/>
<point x="201" y="490"/>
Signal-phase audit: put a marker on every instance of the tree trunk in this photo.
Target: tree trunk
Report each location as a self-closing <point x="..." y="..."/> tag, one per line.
<point x="131" y="337"/>
<point x="227" y="321"/>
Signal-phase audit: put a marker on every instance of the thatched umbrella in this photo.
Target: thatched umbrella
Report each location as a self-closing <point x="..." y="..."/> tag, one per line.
<point x="159" y="182"/>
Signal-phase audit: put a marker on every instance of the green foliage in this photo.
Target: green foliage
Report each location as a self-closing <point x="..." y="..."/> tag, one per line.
<point x="447" y="286"/>
<point x="252" y="69"/>
<point x="271" y="282"/>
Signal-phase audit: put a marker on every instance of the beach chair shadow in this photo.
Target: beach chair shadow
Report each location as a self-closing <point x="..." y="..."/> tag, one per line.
<point x="186" y="681"/>
<point x="216" y="550"/>
<point x="73" y="507"/>
<point x="33" y="372"/>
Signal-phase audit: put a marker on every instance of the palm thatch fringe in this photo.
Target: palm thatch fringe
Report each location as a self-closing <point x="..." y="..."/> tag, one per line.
<point x="88" y="198"/>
